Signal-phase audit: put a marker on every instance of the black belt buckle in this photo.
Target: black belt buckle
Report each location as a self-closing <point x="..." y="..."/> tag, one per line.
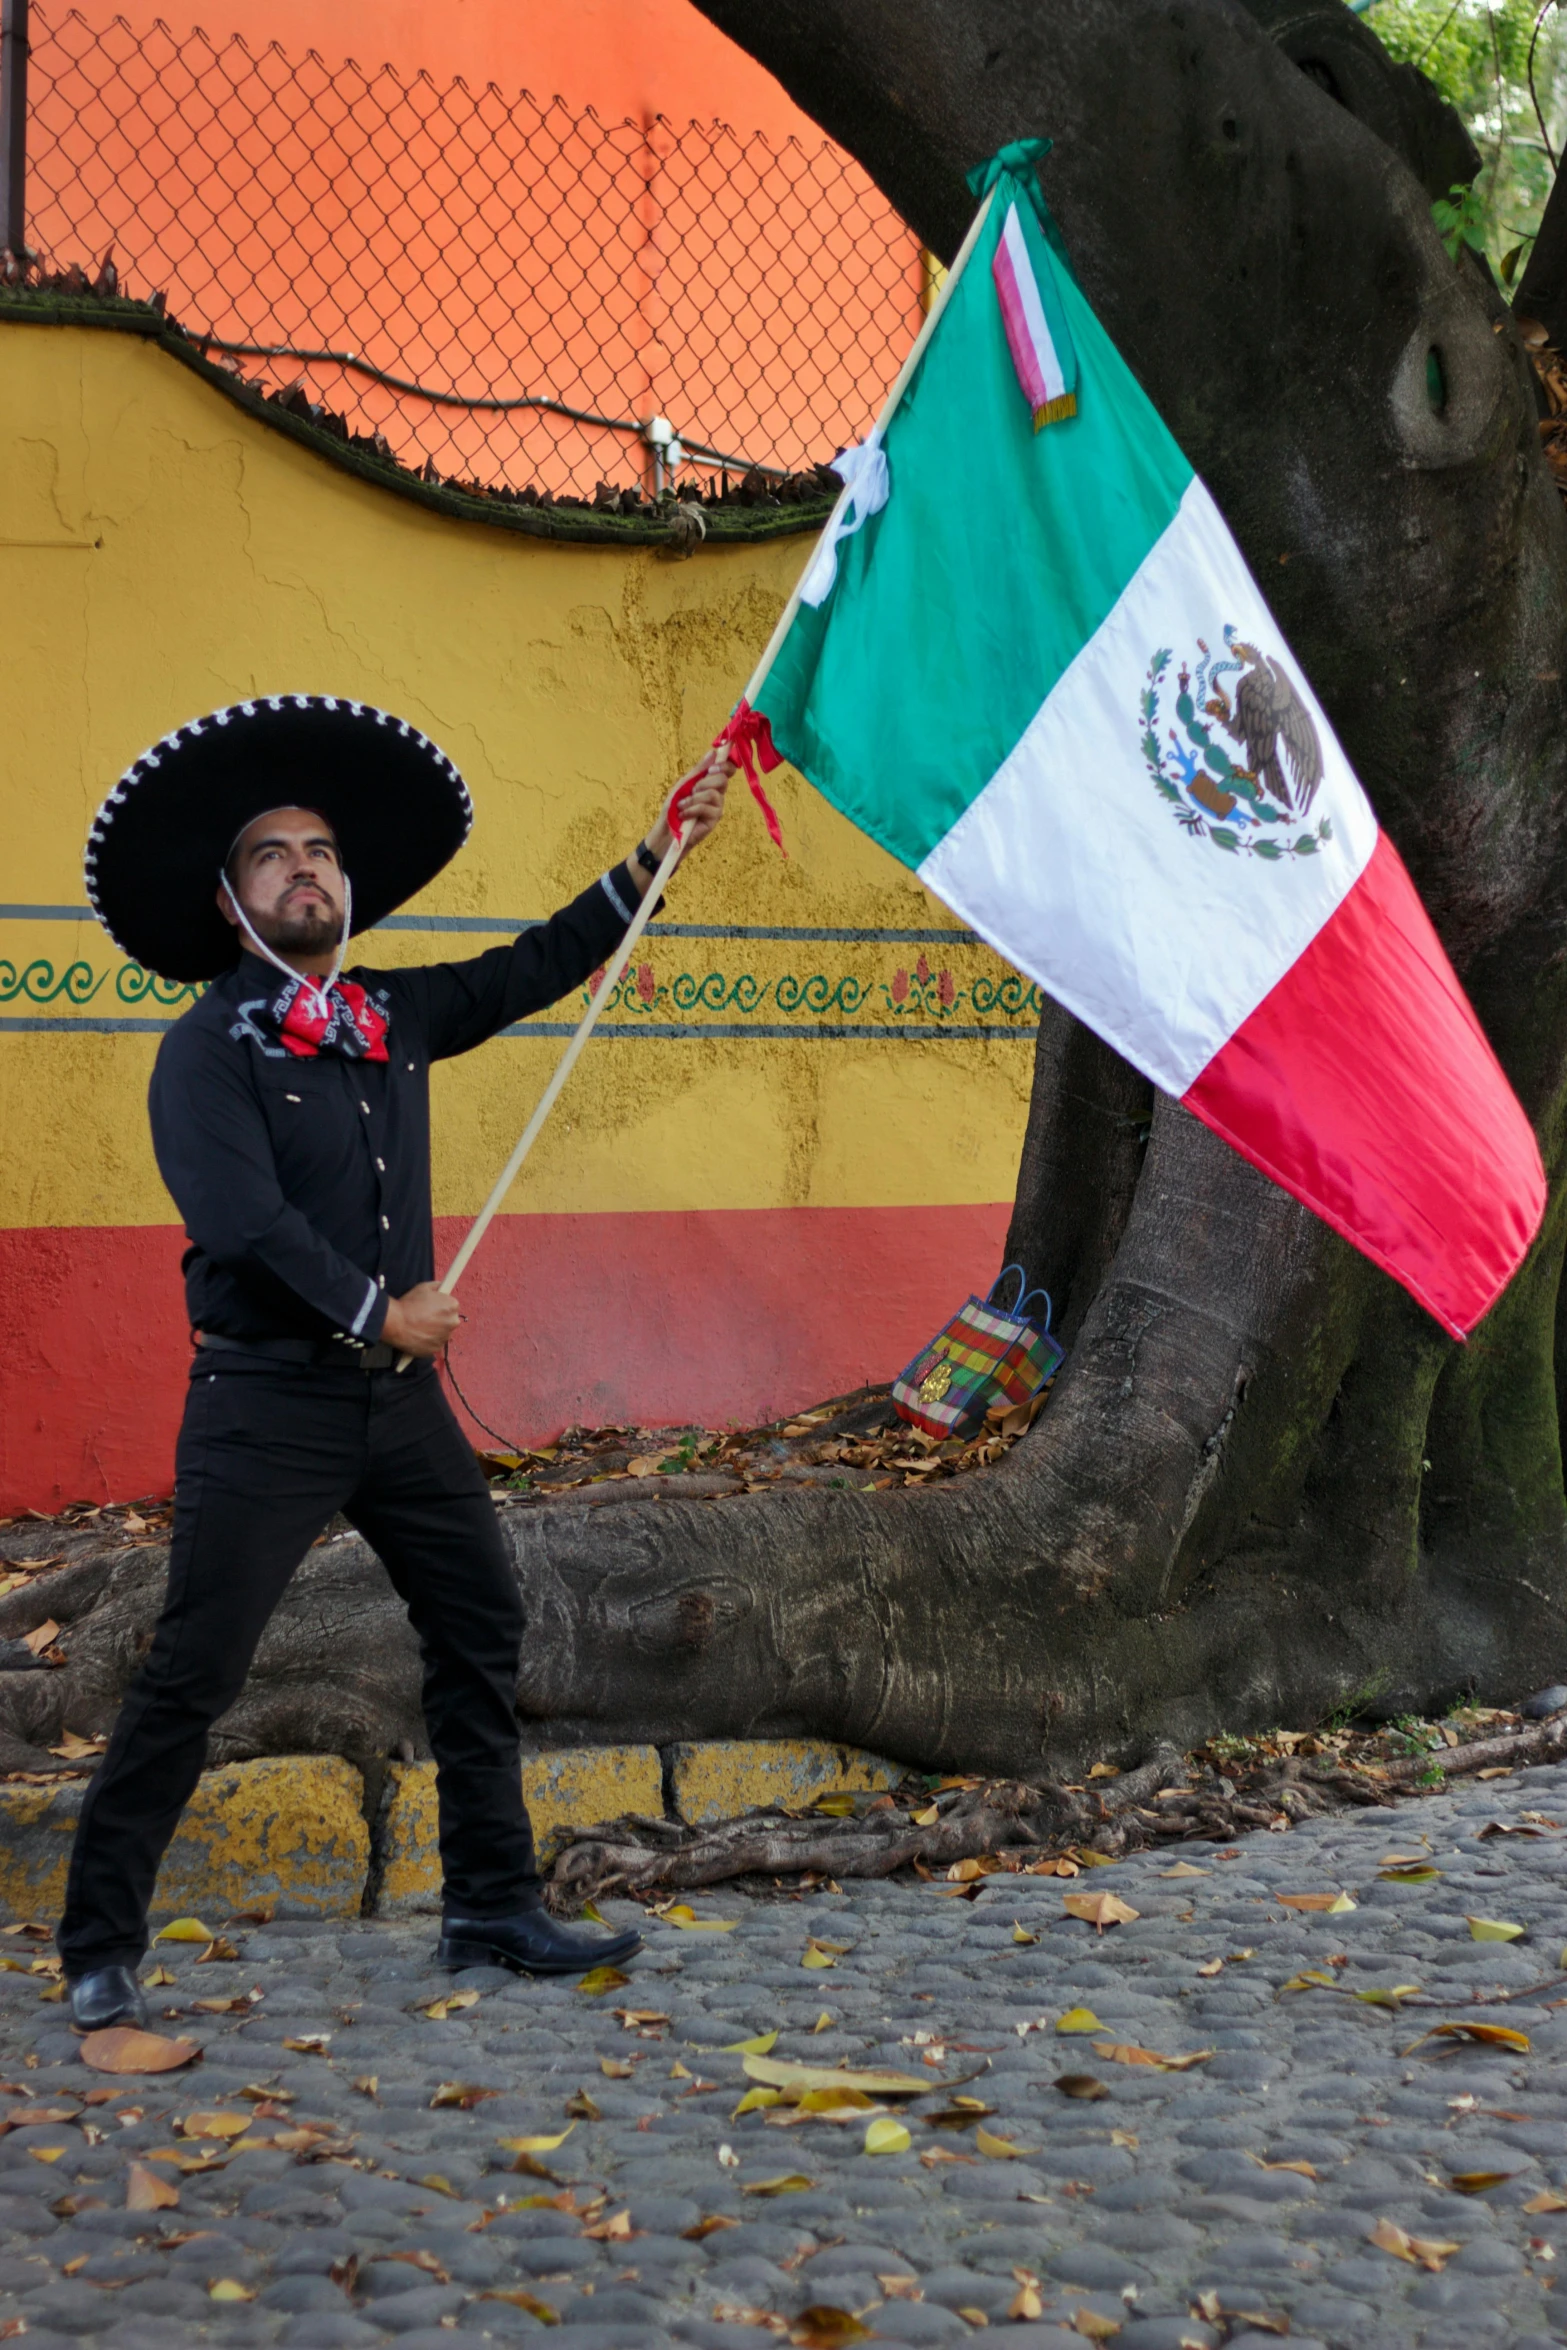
<point x="379" y="1357"/>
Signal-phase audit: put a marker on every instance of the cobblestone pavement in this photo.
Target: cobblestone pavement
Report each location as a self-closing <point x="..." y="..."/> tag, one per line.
<point x="1213" y="2204"/>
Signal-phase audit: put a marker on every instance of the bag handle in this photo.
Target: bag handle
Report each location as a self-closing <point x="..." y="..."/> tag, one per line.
<point x="1025" y="1295"/>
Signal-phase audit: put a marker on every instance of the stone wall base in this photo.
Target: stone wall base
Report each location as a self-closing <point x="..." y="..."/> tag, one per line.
<point x="290" y="1833"/>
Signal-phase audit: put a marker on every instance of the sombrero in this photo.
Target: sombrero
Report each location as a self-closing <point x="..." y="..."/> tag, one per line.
<point x="398" y="806"/>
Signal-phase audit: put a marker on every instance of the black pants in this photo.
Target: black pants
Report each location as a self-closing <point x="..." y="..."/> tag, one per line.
<point x="268" y="1451"/>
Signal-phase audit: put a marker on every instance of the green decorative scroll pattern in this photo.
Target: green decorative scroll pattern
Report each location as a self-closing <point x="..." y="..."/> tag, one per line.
<point x="920" y="995"/>
<point x="133" y="985"/>
<point x="38" y="983"/>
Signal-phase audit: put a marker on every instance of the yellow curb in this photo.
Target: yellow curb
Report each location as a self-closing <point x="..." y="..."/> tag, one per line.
<point x="718" y="1778"/>
<point x="289" y="1827"/>
<point x="572" y="1789"/>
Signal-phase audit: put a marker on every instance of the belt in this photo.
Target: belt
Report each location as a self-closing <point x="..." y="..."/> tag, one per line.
<point x="341" y="1353"/>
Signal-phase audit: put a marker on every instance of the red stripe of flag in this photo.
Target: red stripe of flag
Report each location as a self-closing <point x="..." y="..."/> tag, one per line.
<point x="1364" y="1084"/>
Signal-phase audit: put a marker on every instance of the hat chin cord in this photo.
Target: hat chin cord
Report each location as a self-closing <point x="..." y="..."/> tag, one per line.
<point x="320" y="988"/>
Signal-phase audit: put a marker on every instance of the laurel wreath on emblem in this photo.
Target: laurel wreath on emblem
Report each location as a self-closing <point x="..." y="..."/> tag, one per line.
<point x="1253" y="802"/>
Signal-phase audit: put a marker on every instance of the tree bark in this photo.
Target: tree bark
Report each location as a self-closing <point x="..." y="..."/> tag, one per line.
<point x="1266" y="1484"/>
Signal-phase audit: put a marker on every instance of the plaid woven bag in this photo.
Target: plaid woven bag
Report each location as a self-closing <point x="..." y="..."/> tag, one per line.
<point x="987" y="1354"/>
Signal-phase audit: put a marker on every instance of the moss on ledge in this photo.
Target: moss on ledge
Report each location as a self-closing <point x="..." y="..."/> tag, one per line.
<point x="726" y="526"/>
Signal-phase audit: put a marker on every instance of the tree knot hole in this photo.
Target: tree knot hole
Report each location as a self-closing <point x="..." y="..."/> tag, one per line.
<point x="1436" y="381"/>
<point x="695" y="1616"/>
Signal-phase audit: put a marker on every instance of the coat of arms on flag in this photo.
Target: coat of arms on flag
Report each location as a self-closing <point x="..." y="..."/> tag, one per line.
<point x="1016" y="691"/>
<point x="1251" y="794"/>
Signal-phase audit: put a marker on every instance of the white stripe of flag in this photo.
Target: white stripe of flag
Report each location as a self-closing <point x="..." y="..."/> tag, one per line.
<point x="1033" y="353"/>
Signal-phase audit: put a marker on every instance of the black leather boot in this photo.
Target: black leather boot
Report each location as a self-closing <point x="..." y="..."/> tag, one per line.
<point x="109" y="1995"/>
<point x="531" y="1943"/>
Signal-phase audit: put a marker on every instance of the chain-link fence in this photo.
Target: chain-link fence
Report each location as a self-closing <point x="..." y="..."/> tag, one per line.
<point x="509" y="292"/>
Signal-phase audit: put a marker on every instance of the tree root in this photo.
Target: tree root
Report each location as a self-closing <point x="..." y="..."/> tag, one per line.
<point x="1053" y="1829"/>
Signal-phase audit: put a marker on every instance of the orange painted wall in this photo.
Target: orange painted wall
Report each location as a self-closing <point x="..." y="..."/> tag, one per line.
<point x="621" y="57"/>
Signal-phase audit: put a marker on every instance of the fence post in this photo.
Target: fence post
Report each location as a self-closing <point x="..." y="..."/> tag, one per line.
<point x="13" y="129"/>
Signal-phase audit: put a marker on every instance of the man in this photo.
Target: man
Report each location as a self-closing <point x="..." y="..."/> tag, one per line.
<point x="290" y="1117"/>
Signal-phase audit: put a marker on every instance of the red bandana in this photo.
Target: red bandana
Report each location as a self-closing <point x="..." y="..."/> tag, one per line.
<point x="350" y="1024"/>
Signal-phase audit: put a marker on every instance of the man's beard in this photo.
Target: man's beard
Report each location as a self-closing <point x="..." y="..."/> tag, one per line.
<point x="301" y="929"/>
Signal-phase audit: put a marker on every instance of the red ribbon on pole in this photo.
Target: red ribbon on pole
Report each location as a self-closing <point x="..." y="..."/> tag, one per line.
<point x="748" y="735"/>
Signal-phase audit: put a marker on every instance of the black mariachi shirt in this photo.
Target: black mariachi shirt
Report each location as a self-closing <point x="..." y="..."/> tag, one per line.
<point x="304" y="1182"/>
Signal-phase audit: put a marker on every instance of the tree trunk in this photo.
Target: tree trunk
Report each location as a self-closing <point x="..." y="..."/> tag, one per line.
<point x="1266" y="1484"/>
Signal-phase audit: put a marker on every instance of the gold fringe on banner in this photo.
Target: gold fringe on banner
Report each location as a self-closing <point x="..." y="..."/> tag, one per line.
<point x="1054" y="410"/>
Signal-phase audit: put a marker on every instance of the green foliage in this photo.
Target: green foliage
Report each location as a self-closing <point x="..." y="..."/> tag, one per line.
<point x="1460" y="219"/>
<point x="1477" y="55"/>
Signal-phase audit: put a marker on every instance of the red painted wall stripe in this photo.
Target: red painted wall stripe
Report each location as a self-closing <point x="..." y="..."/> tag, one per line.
<point x="735" y="1315"/>
<point x="1363" y="1083"/>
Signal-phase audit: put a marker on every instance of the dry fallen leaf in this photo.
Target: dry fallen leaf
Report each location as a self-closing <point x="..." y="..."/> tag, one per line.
<point x="74" y="1749"/>
<point x="1333" y="1905"/>
<point x="1479" y="2182"/>
<point x="1547" y="2200"/>
<point x="1021" y="1934"/>
<point x="886" y="2136"/>
<point x="817" y="1954"/>
<point x="1079" y="2019"/>
<point x="823" y="2327"/>
<point x="615" y="2230"/>
<point x="40" y="1639"/>
<point x="1184" y="1868"/>
<point x="708" y="2226"/>
<point x="184" y="1930"/>
<point x="581" y="2107"/>
<point x="777" y="2073"/>
<point x="515" y="2298"/>
<point x="124" y="2050"/>
<point x="998" y="2149"/>
<point x="1099" y="1909"/>
<point x="823" y="2023"/>
<point x="901" y="2288"/>
<point x="1485" y="2035"/>
<point x="1213" y="1966"/>
<point x="1093" y="2327"/>
<point x="1080" y="2085"/>
<point x="230" y="2289"/>
<point x="1305" y="2170"/>
<point x="537" y="2145"/>
<point x="145" y="2191"/>
<point x="762" y="2045"/>
<point x="318" y="2043"/>
<point x="1026" y="2303"/>
<point x="1127" y="2052"/>
<point x="1494" y="1930"/>
<point x="451" y="2003"/>
<point x="596" y="1981"/>
<point x="681" y="1914"/>
<point x="1419" y="2251"/>
<point x="214" y="2125"/>
<point x="791" y="2182"/>
<point x="463" y="2094"/>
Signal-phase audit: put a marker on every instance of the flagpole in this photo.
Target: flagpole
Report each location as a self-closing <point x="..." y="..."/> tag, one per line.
<point x="563" y="1068"/>
<point x="622" y="956"/>
<point x="901" y="383"/>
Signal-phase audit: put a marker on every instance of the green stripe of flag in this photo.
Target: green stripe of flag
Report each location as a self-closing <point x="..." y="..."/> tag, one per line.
<point x="998" y="554"/>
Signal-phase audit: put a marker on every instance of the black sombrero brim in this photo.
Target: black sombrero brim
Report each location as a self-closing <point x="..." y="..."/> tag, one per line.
<point x="398" y="806"/>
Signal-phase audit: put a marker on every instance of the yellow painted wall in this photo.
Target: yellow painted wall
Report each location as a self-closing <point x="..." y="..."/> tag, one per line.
<point x="787" y="1153"/>
<point x="162" y="552"/>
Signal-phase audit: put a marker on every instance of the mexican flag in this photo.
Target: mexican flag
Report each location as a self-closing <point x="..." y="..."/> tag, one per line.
<point x="1028" y="658"/>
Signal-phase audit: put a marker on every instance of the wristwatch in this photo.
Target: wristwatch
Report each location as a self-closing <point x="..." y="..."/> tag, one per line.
<point x="646" y="859"/>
